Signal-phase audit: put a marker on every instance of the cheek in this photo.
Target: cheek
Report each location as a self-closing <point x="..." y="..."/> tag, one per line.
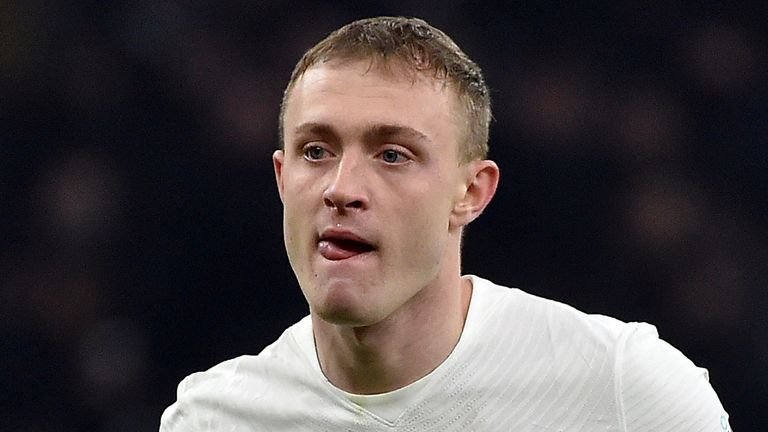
<point x="297" y="224"/>
<point x="299" y="198"/>
<point x="425" y="234"/>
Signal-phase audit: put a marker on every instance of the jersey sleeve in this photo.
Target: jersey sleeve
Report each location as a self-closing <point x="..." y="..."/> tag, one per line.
<point x="184" y="414"/>
<point x="660" y="390"/>
<point x="205" y="402"/>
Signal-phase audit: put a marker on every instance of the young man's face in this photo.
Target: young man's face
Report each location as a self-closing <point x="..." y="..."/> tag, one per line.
<point x="369" y="177"/>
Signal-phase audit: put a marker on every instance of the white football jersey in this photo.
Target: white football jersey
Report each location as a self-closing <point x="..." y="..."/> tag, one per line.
<point x="522" y="364"/>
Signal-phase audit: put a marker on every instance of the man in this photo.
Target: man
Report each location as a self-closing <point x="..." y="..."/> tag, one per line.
<point x="384" y="129"/>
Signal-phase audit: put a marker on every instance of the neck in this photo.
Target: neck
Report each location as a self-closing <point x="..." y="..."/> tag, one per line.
<point x="400" y="349"/>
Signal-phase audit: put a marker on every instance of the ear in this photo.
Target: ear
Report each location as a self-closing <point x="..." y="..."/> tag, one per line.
<point x="278" y="159"/>
<point x="480" y="185"/>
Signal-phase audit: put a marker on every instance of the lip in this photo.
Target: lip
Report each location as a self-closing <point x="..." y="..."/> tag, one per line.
<point x="343" y="234"/>
<point x="331" y="250"/>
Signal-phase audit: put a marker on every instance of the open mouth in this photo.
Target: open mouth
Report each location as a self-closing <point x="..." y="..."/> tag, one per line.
<point x="337" y="248"/>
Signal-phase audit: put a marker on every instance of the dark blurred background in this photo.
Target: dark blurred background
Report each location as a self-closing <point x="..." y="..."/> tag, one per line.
<point x="140" y="229"/>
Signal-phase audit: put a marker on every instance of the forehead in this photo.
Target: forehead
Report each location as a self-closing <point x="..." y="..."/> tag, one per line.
<point x="360" y="92"/>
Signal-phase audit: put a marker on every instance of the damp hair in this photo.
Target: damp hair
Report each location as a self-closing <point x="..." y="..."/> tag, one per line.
<point x="418" y="48"/>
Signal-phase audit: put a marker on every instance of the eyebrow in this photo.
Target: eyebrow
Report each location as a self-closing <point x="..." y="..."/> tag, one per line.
<point x="373" y="132"/>
<point x="386" y="131"/>
<point x="314" y="128"/>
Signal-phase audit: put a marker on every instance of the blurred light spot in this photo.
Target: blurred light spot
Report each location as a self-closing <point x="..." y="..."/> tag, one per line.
<point x="711" y="296"/>
<point x="62" y="300"/>
<point x="81" y="197"/>
<point x="716" y="291"/>
<point x="554" y="105"/>
<point x="112" y="358"/>
<point x="664" y="211"/>
<point x="556" y="108"/>
<point x="650" y="125"/>
<point x="246" y="114"/>
<point x="722" y="58"/>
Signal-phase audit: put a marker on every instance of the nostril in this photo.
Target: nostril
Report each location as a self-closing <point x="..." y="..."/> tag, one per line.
<point x="344" y="197"/>
<point x="340" y="206"/>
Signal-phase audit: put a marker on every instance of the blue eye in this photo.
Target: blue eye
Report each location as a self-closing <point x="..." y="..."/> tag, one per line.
<point x="314" y="153"/>
<point x="393" y="156"/>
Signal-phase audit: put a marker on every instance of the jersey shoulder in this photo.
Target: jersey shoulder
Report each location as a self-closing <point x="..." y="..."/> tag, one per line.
<point x="649" y="384"/>
<point x="245" y="390"/>
<point x="556" y="322"/>
<point x="659" y="386"/>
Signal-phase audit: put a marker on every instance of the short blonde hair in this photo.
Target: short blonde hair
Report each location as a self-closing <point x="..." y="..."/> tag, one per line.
<point x="415" y="44"/>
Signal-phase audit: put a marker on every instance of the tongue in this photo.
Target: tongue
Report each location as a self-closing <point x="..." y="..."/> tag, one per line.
<point x="341" y="249"/>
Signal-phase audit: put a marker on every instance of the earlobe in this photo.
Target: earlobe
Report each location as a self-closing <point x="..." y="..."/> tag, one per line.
<point x="278" y="158"/>
<point x="482" y="180"/>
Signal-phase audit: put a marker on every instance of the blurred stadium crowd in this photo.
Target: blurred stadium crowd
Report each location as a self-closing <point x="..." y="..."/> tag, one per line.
<point x="140" y="231"/>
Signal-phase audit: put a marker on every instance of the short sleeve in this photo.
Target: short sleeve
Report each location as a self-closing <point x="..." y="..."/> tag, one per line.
<point x="206" y="402"/>
<point x="187" y="414"/>
<point x="659" y="389"/>
<point x="173" y="418"/>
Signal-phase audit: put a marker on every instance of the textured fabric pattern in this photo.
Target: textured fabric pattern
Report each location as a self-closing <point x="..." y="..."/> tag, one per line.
<point x="523" y="364"/>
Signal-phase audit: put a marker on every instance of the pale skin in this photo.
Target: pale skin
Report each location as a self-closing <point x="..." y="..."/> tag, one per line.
<point x="372" y="155"/>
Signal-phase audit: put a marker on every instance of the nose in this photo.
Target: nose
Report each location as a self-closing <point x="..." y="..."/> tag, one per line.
<point x="346" y="191"/>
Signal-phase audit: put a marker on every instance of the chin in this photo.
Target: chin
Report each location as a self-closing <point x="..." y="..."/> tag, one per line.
<point x="345" y="318"/>
<point x="345" y="312"/>
<point x="339" y="301"/>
